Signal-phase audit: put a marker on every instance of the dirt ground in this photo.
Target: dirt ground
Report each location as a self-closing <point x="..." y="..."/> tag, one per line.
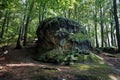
<point x="19" y="65"/>
<point x="112" y="60"/>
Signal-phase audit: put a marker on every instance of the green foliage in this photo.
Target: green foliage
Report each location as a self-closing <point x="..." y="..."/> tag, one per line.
<point x="52" y="56"/>
<point x="82" y="11"/>
<point x="82" y="58"/>
<point x="70" y="57"/>
<point x="77" y="37"/>
<point x="61" y="32"/>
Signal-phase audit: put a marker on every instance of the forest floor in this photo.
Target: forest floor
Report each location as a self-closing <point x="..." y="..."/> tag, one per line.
<point x="19" y="65"/>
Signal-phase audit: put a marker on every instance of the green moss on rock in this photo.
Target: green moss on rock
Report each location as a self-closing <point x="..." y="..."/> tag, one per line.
<point x="58" y="36"/>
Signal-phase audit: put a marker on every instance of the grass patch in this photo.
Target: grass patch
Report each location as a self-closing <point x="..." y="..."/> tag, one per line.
<point x="91" y="58"/>
<point x="93" y="71"/>
<point x="78" y="72"/>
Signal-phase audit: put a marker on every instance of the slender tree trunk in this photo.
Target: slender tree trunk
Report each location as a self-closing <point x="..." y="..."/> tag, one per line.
<point x="96" y="36"/>
<point x="46" y="12"/>
<point x="3" y="26"/>
<point x="20" y="35"/>
<point x="43" y="10"/>
<point x="19" y="43"/>
<point x="75" y="11"/>
<point x="112" y="30"/>
<point x="102" y="27"/>
<point x="7" y="22"/>
<point x="23" y="24"/>
<point x="116" y="24"/>
<point x="107" y="36"/>
<point x="114" y="40"/>
<point x="108" y="39"/>
<point x="27" y="22"/>
<point x="64" y="13"/>
<point x="40" y="12"/>
<point x="89" y="31"/>
<point x="69" y="13"/>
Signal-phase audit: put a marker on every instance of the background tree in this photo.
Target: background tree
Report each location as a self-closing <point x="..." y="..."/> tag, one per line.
<point x="19" y="18"/>
<point x="116" y="23"/>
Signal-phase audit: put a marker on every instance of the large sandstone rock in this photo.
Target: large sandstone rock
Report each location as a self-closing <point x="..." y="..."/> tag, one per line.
<point x="58" y="36"/>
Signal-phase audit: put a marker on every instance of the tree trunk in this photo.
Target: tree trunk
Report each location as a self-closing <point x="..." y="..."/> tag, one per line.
<point x="107" y="36"/>
<point x="69" y="13"/>
<point x="40" y="12"/>
<point x="43" y="13"/>
<point x="3" y="26"/>
<point x="20" y="35"/>
<point x="114" y="40"/>
<point x="64" y="13"/>
<point x="96" y="36"/>
<point x="7" y="22"/>
<point x="102" y="27"/>
<point x="27" y="22"/>
<point x="19" y="43"/>
<point x="75" y="11"/>
<point x="116" y="24"/>
<point x="108" y="39"/>
<point x="112" y="30"/>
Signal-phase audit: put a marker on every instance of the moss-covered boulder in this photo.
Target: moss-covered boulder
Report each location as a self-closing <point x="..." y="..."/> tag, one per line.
<point x="61" y="36"/>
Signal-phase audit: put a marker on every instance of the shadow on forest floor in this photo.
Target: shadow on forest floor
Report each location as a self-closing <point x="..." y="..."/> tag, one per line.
<point x="20" y="66"/>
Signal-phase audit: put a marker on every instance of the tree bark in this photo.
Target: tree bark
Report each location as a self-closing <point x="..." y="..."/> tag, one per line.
<point x="64" y="13"/>
<point x="95" y="23"/>
<point x="75" y="11"/>
<point x="7" y="22"/>
<point x="27" y="22"/>
<point x="114" y="40"/>
<point x="40" y="9"/>
<point x="3" y="26"/>
<point x="19" y="44"/>
<point x="69" y="13"/>
<point x="102" y="27"/>
<point x="107" y="36"/>
<point x="112" y="30"/>
<point x="116" y="24"/>
<point x="20" y="34"/>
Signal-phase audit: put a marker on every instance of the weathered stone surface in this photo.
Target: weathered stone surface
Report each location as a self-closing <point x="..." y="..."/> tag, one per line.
<point x="61" y="35"/>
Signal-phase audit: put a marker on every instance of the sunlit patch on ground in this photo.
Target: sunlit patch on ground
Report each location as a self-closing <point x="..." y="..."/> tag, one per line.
<point x="23" y="64"/>
<point x="112" y="77"/>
